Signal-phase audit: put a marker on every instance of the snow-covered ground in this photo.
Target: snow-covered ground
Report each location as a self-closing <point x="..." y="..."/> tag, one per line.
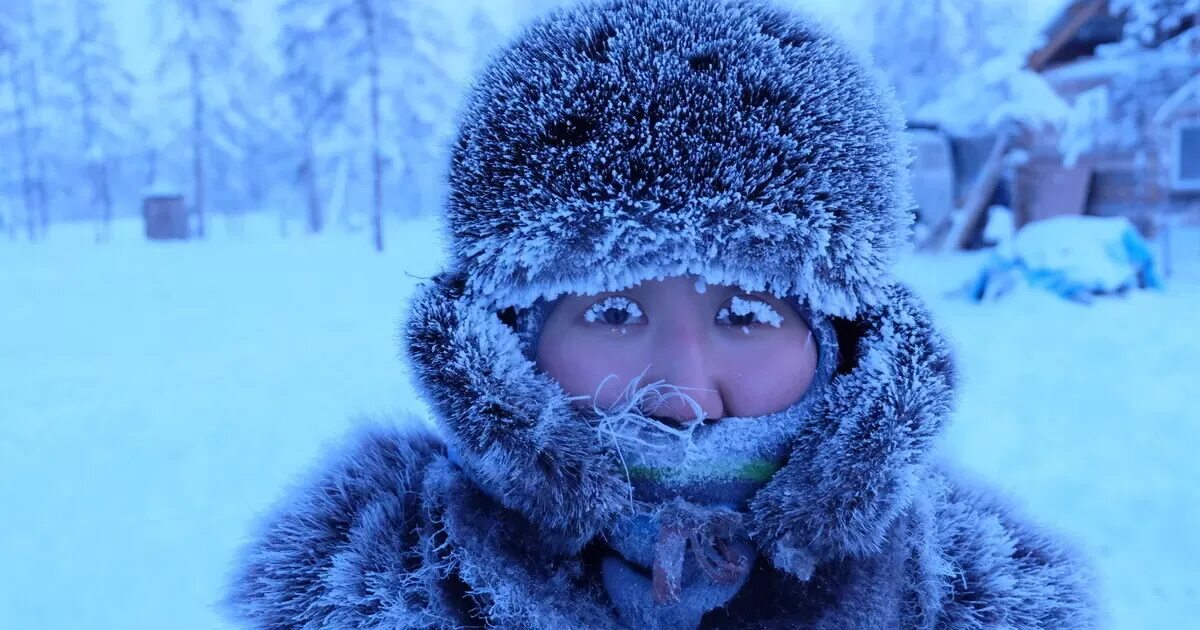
<point x="1089" y="416"/>
<point x="155" y="398"/>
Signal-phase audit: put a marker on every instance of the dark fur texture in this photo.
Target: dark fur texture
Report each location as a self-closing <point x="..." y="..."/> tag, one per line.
<point x="638" y="139"/>
<point x="596" y="152"/>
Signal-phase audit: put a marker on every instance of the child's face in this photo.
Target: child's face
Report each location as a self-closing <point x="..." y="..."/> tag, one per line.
<point x="735" y="353"/>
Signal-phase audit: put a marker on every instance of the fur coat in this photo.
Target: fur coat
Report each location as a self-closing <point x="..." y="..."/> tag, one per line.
<point x="633" y="139"/>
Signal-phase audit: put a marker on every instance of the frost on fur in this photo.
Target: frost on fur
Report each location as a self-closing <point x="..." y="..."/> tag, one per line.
<point x="723" y="156"/>
<point x="518" y="432"/>
<point x="857" y="465"/>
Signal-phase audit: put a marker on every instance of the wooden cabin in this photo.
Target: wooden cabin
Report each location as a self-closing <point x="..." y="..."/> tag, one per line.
<point x="1132" y="145"/>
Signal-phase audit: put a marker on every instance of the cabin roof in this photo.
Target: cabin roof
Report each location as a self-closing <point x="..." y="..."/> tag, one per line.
<point x="1082" y="26"/>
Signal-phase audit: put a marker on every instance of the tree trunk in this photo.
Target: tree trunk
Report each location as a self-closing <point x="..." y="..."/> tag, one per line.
<point x="41" y="201"/>
<point x="38" y="182"/>
<point x="376" y="154"/>
<point x="106" y="207"/>
<point x="197" y="145"/>
<point x="31" y="219"/>
<point x="97" y="173"/>
<point x="197" y="131"/>
<point x="316" y="222"/>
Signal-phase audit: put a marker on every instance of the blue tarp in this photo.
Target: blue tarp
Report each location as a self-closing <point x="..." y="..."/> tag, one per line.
<point x="1076" y="257"/>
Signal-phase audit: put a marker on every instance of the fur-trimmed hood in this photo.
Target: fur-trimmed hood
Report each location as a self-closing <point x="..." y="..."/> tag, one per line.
<point x="852" y="472"/>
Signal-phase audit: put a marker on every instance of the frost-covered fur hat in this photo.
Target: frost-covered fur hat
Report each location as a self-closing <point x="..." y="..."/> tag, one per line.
<point x="626" y="140"/>
<point x="634" y="139"/>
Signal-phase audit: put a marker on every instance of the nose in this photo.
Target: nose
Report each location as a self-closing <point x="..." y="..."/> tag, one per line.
<point x="684" y="362"/>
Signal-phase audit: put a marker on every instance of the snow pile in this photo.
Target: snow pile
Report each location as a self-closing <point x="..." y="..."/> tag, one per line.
<point x="1104" y="254"/>
<point x="1000" y="91"/>
<point x="1077" y="257"/>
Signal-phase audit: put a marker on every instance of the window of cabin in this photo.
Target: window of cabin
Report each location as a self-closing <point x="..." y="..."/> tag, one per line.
<point x="1186" y="168"/>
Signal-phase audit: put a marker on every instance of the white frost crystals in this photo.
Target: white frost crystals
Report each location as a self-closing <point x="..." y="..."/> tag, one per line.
<point x="596" y="311"/>
<point x="763" y="313"/>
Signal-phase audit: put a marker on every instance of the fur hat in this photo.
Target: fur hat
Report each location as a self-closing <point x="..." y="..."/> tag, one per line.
<point x="634" y="139"/>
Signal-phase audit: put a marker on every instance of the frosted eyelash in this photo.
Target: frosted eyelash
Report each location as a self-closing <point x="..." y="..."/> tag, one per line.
<point x="596" y="311"/>
<point x="763" y="313"/>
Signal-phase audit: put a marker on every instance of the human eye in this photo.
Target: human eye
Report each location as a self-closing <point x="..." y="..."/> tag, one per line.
<point x="615" y="310"/>
<point x="748" y="311"/>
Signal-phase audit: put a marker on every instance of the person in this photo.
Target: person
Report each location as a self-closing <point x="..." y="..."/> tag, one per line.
<point x="674" y="381"/>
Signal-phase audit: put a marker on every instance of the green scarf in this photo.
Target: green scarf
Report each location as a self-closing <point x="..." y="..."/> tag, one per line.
<point x="684" y="550"/>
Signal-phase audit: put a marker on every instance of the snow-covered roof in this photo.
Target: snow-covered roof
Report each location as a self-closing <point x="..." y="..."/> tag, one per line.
<point x="1000" y="90"/>
<point x="162" y="189"/>
<point x="1082" y="29"/>
<point x="1068" y="32"/>
<point x="1116" y="59"/>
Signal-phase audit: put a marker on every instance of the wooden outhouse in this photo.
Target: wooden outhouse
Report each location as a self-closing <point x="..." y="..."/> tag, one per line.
<point x="165" y="217"/>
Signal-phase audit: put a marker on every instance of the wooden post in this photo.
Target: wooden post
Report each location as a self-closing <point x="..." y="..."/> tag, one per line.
<point x="977" y="199"/>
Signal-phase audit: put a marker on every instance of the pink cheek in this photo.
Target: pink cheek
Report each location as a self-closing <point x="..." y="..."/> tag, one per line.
<point x="581" y="365"/>
<point x="767" y="380"/>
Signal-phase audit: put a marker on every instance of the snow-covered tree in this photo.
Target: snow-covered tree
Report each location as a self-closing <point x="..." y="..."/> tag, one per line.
<point x="421" y="82"/>
<point x="250" y="160"/>
<point x="924" y="45"/>
<point x="1155" y="56"/>
<point x="315" y="81"/>
<point x="204" y="55"/>
<point x="24" y="49"/>
<point x="103" y="89"/>
<point x="1148" y="20"/>
<point x="485" y="37"/>
<point x="12" y="132"/>
<point x="368" y="82"/>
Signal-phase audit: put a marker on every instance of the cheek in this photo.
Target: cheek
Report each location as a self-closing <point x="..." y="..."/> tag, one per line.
<point x="766" y="377"/>
<point x="580" y="363"/>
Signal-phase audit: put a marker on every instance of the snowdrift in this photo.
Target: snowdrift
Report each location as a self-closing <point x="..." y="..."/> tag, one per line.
<point x="1076" y="257"/>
